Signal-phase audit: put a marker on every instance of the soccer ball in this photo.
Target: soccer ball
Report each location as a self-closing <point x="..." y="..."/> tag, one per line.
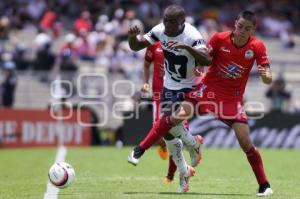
<point x="61" y="174"/>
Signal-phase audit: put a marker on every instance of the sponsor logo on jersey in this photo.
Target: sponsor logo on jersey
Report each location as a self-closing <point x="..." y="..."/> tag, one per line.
<point x="232" y="68"/>
<point x="232" y="72"/>
<point x="164" y="45"/>
<point x="249" y="54"/>
<point x="224" y="49"/>
<point x="198" y="42"/>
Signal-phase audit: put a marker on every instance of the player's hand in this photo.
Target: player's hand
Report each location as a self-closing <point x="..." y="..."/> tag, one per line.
<point x="265" y="73"/>
<point x="133" y="31"/>
<point x="261" y="71"/>
<point x="176" y="44"/>
<point x="145" y="88"/>
<point x="198" y="71"/>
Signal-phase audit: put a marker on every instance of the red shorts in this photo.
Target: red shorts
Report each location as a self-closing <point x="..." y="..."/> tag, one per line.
<point x="226" y="109"/>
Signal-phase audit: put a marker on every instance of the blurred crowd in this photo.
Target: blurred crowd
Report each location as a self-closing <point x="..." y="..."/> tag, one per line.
<point x="95" y="31"/>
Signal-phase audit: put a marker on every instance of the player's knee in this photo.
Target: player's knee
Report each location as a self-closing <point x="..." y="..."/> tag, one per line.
<point x="185" y="111"/>
<point x="177" y="130"/>
<point x="175" y="121"/>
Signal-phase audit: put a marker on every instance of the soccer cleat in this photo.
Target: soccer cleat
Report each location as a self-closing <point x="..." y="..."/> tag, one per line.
<point x="168" y="180"/>
<point x="162" y="150"/>
<point x="195" y="153"/>
<point x="184" y="180"/>
<point x="264" y="190"/>
<point x="132" y="160"/>
<point x="134" y="155"/>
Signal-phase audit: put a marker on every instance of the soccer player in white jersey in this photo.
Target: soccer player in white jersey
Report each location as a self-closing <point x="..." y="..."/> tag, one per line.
<point x="183" y="48"/>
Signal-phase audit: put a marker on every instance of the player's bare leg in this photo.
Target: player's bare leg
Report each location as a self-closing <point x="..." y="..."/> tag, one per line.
<point x="242" y="132"/>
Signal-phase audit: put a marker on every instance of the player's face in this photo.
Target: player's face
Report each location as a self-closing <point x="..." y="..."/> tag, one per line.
<point x="243" y="28"/>
<point x="173" y="25"/>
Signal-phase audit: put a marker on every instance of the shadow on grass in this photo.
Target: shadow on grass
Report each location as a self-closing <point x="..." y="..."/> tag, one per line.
<point x="190" y="193"/>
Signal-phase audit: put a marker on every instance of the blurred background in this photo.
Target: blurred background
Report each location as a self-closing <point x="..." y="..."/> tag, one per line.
<point x="74" y="56"/>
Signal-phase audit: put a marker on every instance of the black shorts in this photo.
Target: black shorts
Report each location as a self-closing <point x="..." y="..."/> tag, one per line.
<point x="171" y="99"/>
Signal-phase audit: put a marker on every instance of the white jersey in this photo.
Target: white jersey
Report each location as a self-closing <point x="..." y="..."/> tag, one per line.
<point x="179" y="63"/>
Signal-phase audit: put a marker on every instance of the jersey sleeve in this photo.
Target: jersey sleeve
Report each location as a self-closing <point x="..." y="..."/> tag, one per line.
<point x="153" y="35"/>
<point x="149" y="54"/>
<point x="261" y="56"/>
<point x="213" y="41"/>
<point x="198" y="41"/>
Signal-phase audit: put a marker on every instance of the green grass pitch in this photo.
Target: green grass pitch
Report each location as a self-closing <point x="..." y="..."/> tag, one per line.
<point x="103" y="173"/>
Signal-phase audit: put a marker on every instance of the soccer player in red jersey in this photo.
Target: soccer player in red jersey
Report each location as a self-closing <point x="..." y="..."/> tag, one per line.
<point x="154" y="54"/>
<point x="222" y="89"/>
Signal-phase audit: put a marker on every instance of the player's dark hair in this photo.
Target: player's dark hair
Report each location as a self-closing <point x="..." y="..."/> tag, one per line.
<point x="175" y="10"/>
<point x="248" y="15"/>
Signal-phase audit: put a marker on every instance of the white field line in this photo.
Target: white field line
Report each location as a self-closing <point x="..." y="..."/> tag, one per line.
<point x="52" y="191"/>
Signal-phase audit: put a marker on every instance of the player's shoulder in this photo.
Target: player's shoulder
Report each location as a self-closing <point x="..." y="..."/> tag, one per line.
<point x="159" y="28"/>
<point x="256" y="43"/>
<point x="192" y="34"/>
<point x="189" y="27"/>
<point x="155" y="33"/>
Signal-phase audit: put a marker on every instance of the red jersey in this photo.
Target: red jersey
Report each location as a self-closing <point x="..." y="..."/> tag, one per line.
<point x="231" y="65"/>
<point x="48" y="20"/>
<point x="154" y="54"/>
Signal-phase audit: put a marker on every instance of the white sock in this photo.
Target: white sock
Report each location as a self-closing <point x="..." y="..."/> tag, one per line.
<point x="175" y="149"/>
<point x="181" y="132"/>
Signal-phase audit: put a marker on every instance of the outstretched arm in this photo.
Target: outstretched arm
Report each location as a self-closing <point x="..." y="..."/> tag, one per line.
<point x="136" y="43"/>
<point x="201" y="55"/>
<point x="265" y="73"/>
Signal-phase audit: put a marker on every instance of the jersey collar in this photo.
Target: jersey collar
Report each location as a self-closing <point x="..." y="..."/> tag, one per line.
<point x="239" y="47"/>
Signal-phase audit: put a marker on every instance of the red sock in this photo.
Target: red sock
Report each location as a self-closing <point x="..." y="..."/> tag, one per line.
<point x="172" y="168"/>
<point x="159" y="129"/>
<point x="256" y="163"/>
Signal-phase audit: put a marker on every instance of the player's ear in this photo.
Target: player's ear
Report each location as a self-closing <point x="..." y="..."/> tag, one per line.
<point x="254" y="29"/>
<point x="235" y="23"/>
<point x="183" y="21"/>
